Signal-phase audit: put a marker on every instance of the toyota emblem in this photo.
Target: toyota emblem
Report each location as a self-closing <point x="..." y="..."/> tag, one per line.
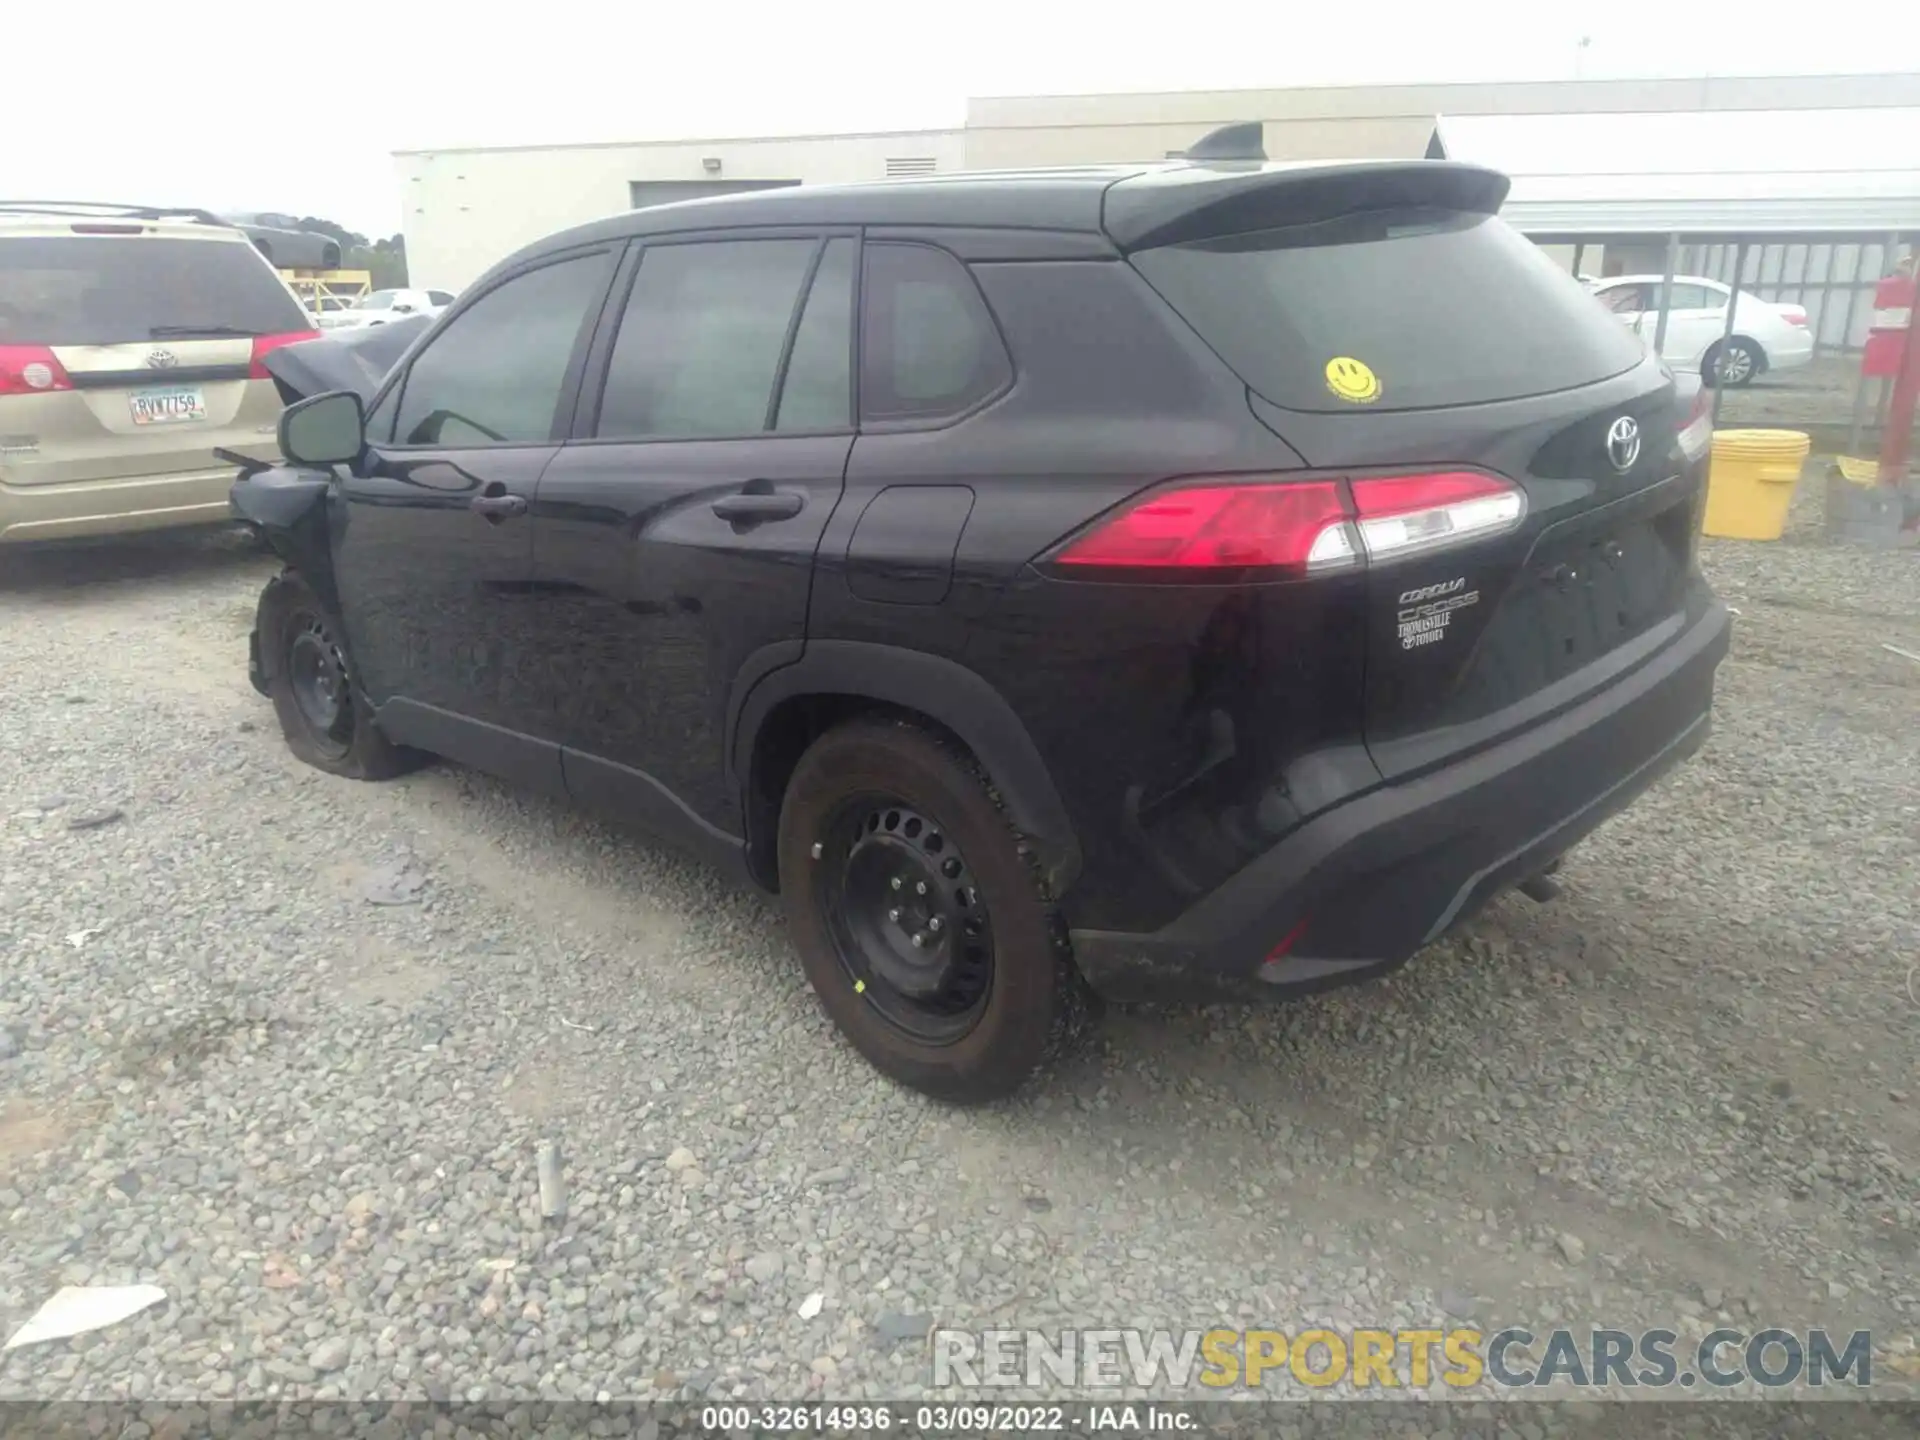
<point x="162" y="359"/>
<point x="1623" y="443"/>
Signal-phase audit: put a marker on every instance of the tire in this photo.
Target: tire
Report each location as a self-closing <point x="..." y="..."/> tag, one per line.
<point x="886" y="801"/>
<point x="1744" y="360"/>
<point x="303" y="656"/>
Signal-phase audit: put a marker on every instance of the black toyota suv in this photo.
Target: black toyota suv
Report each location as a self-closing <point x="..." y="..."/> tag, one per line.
<point x="1212" y="578"/>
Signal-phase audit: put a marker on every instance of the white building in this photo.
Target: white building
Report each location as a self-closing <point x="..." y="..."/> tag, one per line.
<point x="1809" y="205"/>
<point x="465" y="209"/>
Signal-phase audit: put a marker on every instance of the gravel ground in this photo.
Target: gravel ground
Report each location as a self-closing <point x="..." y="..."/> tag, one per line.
<point x="1820" y="398"/>
<point x="1821" y="394"/>
<point x="1683" y="1094"/>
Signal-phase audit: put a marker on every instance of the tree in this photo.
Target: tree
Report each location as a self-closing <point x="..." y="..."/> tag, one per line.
<point x="387" y="260"/>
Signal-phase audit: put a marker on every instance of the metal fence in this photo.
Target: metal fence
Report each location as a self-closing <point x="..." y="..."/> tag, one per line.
<point x="1831" y="276"/>
<point x="1832" y="279"/>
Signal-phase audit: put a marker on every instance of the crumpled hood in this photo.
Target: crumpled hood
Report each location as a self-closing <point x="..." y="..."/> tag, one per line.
<point x="356" y="360"/>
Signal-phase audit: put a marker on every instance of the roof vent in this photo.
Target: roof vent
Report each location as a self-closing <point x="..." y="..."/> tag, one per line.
<point x="901" y="168"/>
<point x="1245" y="141"/>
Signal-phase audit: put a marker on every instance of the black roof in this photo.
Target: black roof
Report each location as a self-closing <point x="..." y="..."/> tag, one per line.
<point x="1023" y="199"/>
<point x="1134" y="205"/>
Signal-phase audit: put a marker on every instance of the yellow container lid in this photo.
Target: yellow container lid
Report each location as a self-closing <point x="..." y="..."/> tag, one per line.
<point x="1762" y="444"/>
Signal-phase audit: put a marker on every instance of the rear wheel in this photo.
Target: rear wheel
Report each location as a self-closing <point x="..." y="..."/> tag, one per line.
<point x="325" y="718"/>
<point x="1733" y="363"/>
<point x="920" y="918"/>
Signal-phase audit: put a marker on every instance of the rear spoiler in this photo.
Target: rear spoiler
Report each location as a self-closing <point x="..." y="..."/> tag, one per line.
<point x="1203" y="201"/>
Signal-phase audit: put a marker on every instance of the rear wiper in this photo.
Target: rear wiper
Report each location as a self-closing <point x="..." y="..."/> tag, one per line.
<point x="159" y="331"/>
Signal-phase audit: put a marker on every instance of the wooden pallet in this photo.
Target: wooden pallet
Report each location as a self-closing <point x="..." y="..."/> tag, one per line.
<point x="323" y="290"/>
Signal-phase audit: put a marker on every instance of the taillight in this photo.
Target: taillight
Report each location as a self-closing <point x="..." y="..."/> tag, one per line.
<point x="264" y="343"/>
<point x="31" y="370"/>
<point x="1401" y="515"/>
<point x="1696" y="431"/>
<point x="1794" y="315"/>
<point x="1300" y="527"/>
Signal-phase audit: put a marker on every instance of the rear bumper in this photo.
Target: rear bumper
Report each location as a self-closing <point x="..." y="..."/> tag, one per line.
<point x="1361" y="888"/>
<point x="1793" y="352"/>
<point x="114" y="507"/>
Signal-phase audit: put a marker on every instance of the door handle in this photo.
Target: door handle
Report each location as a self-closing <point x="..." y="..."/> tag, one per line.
<point x="498" y="507"/>
<point x="752" y="507"/>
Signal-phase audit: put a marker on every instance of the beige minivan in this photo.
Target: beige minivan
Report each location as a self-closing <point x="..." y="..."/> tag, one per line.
<point x="131" y="343"/>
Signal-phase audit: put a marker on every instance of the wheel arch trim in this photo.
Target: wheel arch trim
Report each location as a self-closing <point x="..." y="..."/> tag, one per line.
<point x="942" y="690"/>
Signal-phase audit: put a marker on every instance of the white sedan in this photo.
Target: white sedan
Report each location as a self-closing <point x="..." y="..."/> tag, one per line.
<point x="377" y="307"/>
<point x="1765" y="336"/>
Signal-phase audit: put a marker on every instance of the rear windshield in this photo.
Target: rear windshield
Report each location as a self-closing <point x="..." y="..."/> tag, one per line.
<point x="1391" y="311"/>
<point x="110" y="290"/>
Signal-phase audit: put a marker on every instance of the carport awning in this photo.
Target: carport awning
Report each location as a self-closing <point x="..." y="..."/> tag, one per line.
<point x="1731" y="172"/>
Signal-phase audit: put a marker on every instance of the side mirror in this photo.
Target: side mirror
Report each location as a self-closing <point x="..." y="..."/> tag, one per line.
<point x="328" y="429"/>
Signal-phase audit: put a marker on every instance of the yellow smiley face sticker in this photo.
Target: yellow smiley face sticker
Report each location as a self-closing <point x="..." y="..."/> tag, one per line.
<point x="1352" y="380"/>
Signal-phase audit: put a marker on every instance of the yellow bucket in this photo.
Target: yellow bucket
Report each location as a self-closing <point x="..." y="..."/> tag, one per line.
<point x="1750" y="482"/>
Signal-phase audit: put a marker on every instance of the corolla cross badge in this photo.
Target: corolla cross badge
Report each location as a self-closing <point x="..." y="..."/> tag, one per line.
<point x="162" y="359"/>
<point x="1623" y="443"/>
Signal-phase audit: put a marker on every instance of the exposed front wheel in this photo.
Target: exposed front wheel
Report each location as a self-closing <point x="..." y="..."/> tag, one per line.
<point x="921" y="921"/>
<point x="322" y="713"/>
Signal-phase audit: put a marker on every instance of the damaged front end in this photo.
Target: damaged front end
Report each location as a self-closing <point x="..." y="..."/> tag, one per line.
<point x="287" y="505"/>
<point x="358" y="360"/>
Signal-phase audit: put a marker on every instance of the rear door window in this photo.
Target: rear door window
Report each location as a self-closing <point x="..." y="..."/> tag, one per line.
<point x="1441" y="308"/>
<point x="117" y="290"/>
<point x="701" y="340"/>
<point x="929" y="347"/>
<point x="817" y="393"/>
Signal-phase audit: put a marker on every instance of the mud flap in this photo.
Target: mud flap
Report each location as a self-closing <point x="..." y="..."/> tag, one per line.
<point x="288" y="507"/>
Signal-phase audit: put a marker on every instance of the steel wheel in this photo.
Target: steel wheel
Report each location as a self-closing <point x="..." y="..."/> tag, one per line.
<point x="317" y="675"/>
<point x="906" y="918"/>
<point x="986" y="996"/>
<point x="307" y="671"/>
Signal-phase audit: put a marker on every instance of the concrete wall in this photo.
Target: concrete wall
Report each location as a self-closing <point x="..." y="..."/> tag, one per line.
<point x="644" y="193"/>
<point x="1592" y="258"/>
<point x="466" y="209"/>
<point x="1306" y="138"/>
<point x="1344" y="122"/>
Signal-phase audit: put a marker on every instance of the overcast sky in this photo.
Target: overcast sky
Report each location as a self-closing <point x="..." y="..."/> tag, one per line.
<point x="281" y="105"/>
